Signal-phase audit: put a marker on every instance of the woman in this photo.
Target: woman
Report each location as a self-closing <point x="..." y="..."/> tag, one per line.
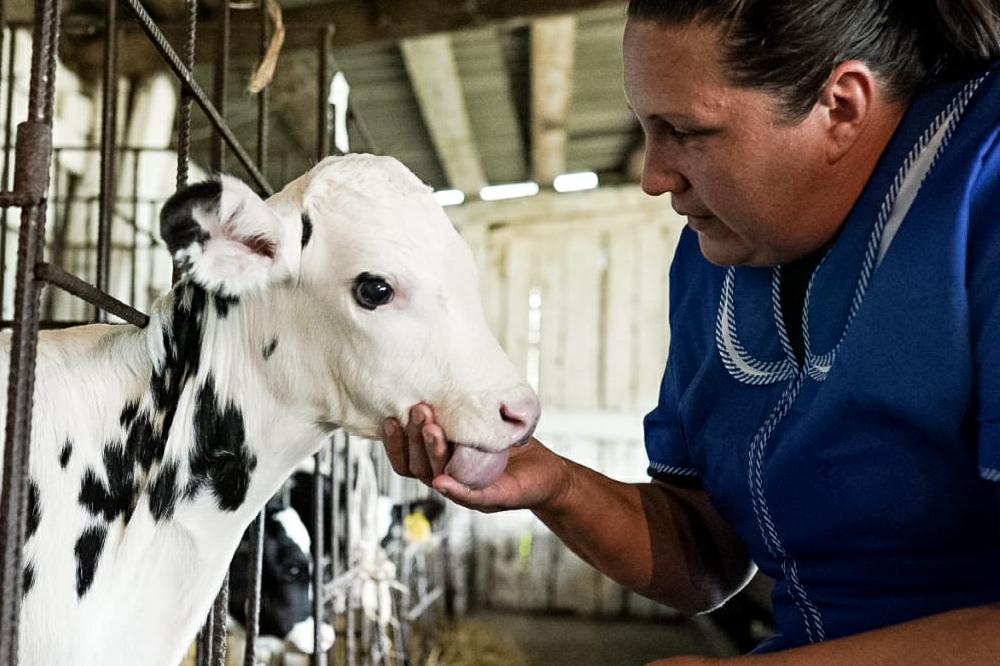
<point x="830" y="410"/>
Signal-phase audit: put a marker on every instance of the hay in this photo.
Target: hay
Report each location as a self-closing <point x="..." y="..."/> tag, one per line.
<point x="471" y="643"/>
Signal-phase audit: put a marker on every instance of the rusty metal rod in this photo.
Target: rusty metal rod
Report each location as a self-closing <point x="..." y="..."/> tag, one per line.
<point x="5" y="179"/>
<point x="34" y="152"/>
<point x="318" y="655"/>
<point x="109" y="141"/>
<point x="66" y="281"/>
<point x="186" y="77"/>
<point x="218" y="158"/>
<point x="256" y="532"/>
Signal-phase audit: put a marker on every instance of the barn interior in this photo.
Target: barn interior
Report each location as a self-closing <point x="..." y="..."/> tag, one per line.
<point x="513" y="112"/>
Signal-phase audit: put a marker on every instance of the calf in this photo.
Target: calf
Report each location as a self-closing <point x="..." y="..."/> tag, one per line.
<point x="342" y="300"/>
<point x="286" y="606"/>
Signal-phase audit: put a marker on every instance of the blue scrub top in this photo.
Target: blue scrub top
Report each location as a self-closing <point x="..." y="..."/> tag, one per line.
<point x="864" y="480"/>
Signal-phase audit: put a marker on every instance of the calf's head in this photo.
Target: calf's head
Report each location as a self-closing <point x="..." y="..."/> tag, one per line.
<point x="372" y="298"/>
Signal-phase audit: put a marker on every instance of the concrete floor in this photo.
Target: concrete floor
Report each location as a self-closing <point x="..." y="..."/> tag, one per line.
<point x="565" y="640"/>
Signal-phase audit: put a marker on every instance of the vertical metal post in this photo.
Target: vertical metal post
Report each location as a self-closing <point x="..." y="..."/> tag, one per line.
<point x="318" y="655"/>
<point x="263" y="100"/>
<point x="218" y="157"/>
<point x="184" y="111"/>
<point x="7" y="146"/>
<point x="253" y="596"/>
<point x="109" y="149"/>
<point x="323" y="115"/>
<point x="136" y="154"/>
<point x="348" y="549"/>
<point x="34" y="141"/>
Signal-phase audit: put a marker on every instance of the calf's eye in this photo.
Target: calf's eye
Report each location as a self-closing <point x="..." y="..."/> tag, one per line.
<point x="371" y="291"/>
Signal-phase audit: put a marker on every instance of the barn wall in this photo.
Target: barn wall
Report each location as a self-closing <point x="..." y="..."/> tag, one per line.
<point x="575" y="287"/>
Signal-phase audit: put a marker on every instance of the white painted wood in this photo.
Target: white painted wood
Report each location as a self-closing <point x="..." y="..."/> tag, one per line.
<point x="583" y="286"/>
<point x="430" y="63"/>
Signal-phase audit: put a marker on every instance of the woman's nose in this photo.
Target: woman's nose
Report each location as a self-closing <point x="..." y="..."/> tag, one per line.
<point x="659" y="175"/>
<point x="659" y="179"/>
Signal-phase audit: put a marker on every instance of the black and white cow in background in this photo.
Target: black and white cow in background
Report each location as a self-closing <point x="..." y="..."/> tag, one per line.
<point x="344" y="299"/>
<point x="286" y="607"/>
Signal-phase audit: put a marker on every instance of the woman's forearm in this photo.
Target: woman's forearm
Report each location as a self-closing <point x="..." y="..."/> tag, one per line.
<point x="667" y="544"/>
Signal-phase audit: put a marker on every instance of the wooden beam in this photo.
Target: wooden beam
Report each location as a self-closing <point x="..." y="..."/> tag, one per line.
<point x="355" y="21"/>
<point x="553" y="44"/>
<point x="430" y="62"/>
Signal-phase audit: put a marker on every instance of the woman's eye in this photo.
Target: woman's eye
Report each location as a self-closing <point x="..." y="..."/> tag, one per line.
<point x="371" y="291"/>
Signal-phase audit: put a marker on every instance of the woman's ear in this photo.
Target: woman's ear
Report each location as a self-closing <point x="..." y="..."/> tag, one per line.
<point x="227" y="239"/>
<point x="847" y="101"/>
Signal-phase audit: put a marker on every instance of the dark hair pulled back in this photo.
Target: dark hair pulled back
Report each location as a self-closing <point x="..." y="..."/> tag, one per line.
<point x="789" y="47"/>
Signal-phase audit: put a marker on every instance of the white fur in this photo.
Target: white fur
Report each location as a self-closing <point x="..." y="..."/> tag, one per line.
<point x="335" y="365"/>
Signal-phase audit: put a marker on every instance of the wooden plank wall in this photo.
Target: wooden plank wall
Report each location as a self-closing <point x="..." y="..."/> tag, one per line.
<point x="575" y="287"/>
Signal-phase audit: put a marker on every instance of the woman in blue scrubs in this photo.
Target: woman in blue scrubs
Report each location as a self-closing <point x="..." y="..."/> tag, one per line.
<point x="830" y="411"/>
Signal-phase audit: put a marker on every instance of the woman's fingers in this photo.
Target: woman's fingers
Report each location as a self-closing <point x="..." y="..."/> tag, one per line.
<point x="436" y="448"/>
<point x="394" y="439"/>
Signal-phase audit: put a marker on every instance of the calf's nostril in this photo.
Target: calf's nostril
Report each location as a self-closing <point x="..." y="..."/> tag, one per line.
<point x="514" y="415"/>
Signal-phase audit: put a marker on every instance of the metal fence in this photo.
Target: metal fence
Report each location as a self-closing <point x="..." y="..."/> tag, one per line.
<point x="424" y="574"/>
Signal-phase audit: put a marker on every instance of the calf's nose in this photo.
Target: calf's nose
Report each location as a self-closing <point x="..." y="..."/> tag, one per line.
<point x="520" y="414"/>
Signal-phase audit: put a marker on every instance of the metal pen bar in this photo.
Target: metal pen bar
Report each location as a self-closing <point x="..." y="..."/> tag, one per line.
<point x="109" y="140"/>
<point x="323" y="115"/>
<point x="5" y="183"/>
<point x="256" y="532"/>
<point x="318" y="656"/>
<point x="186" y="77"/>
<point x="34" y="145"/>
<point x="218" y="158"/>
<point x="66" y="281"/>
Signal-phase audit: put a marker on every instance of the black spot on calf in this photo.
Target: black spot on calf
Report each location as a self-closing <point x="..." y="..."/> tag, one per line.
<point x="143" y="443"/>
<point x="34" y="510"/>
<point x="269" y="349"/>
<point x="28" y="581"/>
<point x="118" y="497"/>
<point x="163" y="492"/>
<point x="88" y="553"/>
<point x="220" y="457"/>
<point x="178" y="227"/>
<point x="223" y="303"/>
<point x="67" y="451"/>
<point x="129" y="412"/>
<point x="307" y="229"/>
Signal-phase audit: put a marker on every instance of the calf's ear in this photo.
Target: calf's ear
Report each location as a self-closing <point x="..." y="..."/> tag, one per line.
<point x="227" y="239"/>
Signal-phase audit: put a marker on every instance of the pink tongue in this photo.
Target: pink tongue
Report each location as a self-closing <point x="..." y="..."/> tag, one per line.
<point x="474" y="468"/>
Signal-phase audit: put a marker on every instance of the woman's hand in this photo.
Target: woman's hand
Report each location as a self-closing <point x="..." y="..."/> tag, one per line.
<point x="534" y="476"/>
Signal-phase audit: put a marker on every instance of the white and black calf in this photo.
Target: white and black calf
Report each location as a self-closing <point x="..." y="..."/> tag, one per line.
<point x="344" y="299"/>
<point x="286" y="607"/>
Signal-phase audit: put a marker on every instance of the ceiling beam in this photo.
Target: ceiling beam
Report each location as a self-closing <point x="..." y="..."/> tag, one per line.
<point x="355" y="21"/>
<point x="553" y="44"/>
<point x="430" y="62"/>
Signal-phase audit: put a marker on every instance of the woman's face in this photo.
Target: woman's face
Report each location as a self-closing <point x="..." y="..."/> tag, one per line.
<point x="742" y="174"/>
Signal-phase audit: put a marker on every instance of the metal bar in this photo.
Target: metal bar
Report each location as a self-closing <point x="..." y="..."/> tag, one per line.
<point x="133" y="277"/>
<point x="263" y="99"/>
<point x="8" y="122"/>
<point x="184" y="112"/>
<point x="253" y="597"/>
<point x="218" y="159"/>
<point x="318" y="656"/>
<point x="323" y="115"/>
<point x="109" y="141"/>
<point x="58" y="277"/>
<point x="349" y="551"/>
<point x="219" y="611"/>
<point x="34" y="146"/>
<point x="186" y="77"/>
